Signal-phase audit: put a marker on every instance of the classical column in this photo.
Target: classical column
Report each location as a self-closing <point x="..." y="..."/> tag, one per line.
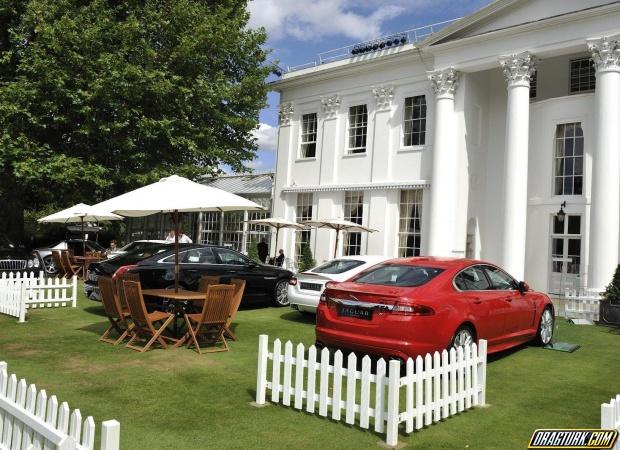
<point x="517" y="70"/>
<point x="444" y="181"/>
<point x="605" y="209"/>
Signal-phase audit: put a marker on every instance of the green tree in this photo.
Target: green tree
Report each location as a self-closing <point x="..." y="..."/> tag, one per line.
<point x="100" y="96"/>
<point x="307" y="261"/>
<point x="612" y="292"/>
<point x="253" y="251"/>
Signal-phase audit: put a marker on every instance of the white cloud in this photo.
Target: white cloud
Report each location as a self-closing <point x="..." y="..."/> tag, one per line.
<point x="266" y="136"/>
<point x="316" y="19"/>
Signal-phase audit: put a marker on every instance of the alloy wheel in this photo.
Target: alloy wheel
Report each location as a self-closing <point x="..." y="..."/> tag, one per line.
<point x="48" y="264"/>
<point x="546" y="327"/>
<point x="281" y="293"/>
<point x="462" y="338"/>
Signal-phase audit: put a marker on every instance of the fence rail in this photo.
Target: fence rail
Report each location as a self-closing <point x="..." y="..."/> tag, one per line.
<point x="22" y="291"/>
<point x="610" y="417"/>
<point x="582" y="304"/>
<point x="31" y="420"/>
<point x="435" y="387"/>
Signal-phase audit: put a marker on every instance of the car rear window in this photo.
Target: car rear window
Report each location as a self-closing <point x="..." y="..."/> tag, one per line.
<point x="337" y="266"/>
<point x="139" y="255"/>
<point x="398" y="275"/>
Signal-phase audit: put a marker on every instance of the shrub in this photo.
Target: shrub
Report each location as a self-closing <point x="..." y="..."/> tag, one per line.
<point x="307" y="261"/>
<point x="612" y="292"/>
<point x="253" y="251"/>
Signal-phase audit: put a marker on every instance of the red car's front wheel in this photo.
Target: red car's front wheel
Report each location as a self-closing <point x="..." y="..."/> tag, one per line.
<point x="545" y="328"/>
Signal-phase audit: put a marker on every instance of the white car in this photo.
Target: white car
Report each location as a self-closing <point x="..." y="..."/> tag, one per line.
<point x="304" y="290"/>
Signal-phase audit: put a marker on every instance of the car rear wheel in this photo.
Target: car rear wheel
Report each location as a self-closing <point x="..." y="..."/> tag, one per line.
<point x="545" y="327"/>
<point x="463" y="337"/>
<point x="280" y="293"/>
<point x="48" y="265"/>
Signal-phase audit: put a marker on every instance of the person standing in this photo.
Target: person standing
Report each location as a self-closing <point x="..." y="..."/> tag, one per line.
<point x="183" y="238"/>
<point x="280" y="259"/>
<point x="263" y="250"/>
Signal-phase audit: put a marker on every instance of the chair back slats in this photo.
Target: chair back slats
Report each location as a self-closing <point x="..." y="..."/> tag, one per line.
<point x="239" y="290"/>
<point x="135" y="301"/>
<point x="130" y="276"/>
<point x="109" y="298"/>
<point x="68" y="266"/>
<point x="206" y="281"/>
<point x="217" y="306"/>
<point x="60" y="267"/>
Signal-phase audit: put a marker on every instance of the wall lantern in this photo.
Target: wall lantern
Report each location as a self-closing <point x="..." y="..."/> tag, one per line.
<point x="561" y="214"/>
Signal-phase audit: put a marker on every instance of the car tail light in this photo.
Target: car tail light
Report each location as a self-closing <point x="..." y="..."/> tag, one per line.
<point x="122" y="270"/>
<point x="330" y="284"/>
<point x="412" y="310"/>
<point x="293" y="281"/>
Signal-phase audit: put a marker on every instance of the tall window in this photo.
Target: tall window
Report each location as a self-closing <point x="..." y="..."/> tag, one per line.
<point x="354" y="212"/>
<point x="582" y="75"/>
<point x="414" y="121"/>
<point x="308" y="135"/>
<point x="211" y="223"/>
<point x="304" y="212"/>
<point x="568" y="172"/>
<point x="409" y="231"/>
<point x="358" y="124"/>
<point x="233" y="230"/>
<point x="566" y="245"/>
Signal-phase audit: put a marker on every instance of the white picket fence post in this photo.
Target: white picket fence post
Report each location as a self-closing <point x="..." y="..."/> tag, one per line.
<point x="31" y="420"/>
<point x="610" y="417"/>
<point x="23" y="296"/>
<point x="436" y="386"/>
<point x="74" y="284"/>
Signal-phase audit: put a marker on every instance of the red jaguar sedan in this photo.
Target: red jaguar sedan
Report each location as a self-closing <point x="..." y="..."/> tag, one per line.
<point x="412" y="306"/>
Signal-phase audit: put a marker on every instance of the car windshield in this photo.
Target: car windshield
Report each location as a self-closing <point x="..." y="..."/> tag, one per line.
<point x="136" y="246"/>
<point x="337" y="266"/>
<point x="143" y="253"/>
<point x="398" y="275"/>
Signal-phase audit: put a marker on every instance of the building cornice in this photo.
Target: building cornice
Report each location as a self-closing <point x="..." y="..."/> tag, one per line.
<point x="418" y="184"/>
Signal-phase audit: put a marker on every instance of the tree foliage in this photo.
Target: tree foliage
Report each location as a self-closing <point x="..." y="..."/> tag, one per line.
<point x="100" y="96"/>
<point x="307" y="261"/>
<point x="612" y="292"/>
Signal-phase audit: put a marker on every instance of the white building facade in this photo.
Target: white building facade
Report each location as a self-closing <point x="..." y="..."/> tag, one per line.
<point x="467" y="144"/>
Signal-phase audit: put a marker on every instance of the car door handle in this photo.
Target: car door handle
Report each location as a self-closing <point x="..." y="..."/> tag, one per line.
<point x="477" y="300"/>
<point x="508" y="299"/>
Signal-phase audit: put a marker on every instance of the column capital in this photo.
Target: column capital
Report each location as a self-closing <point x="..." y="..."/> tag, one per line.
<point x="285" y="114"/>
<point x="444" y="82"/>
<point x="330" y="105"/>
<point x="383" y="96"/>
<point x="518" y="68"/>
<point x="605" y="53"/>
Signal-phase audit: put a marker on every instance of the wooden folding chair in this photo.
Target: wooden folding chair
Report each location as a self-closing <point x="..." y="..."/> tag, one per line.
<point x="118" y="283"/>
<point x="144" y="322"/>
<point x="234" y="307"/>
<point x="70" y="268"/>
<point x="203" y="284"/>
<point x="60" y="267"/>
<point x="210" y="323"/>
<point x="115" y="312"/>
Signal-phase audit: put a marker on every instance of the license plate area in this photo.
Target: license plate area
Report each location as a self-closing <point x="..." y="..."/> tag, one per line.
<point x="310" y="286"/>
<point x="355" y="312"/>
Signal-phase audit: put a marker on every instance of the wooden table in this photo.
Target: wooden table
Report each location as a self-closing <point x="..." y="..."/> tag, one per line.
<point x="87" y="260"/>
<point x="176" y="298"/>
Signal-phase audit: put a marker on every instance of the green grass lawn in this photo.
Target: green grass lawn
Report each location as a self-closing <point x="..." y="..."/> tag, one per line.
<point x="177" y="399"/>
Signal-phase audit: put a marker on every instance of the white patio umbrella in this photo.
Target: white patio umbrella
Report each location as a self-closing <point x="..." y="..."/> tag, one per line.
<point x="278" y="223"/>
<point x="80" y="213"/>
<point x="175" y="194"/>
<point x="338" y="225"/>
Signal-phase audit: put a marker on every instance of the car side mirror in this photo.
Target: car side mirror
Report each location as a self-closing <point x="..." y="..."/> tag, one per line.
<point x="523" y="287"/>
<point x="251" y="264"/>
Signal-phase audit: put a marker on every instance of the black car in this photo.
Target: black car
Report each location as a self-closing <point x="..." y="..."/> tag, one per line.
<point x="15" y="258"/>
<point x="155" y="264"/>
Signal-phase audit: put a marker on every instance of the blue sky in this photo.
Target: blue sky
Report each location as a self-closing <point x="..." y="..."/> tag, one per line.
<point x="300" y="29"/>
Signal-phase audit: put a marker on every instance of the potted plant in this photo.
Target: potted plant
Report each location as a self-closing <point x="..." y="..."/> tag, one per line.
<point x="610" y="303"/>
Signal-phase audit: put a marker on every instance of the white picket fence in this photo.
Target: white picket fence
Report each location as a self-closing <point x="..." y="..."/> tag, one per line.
<point x="22" y="291"/>
<point x="610" y="417"/>
<point x="435" y="387"/>
<point x="29" y="420"/>
<point x="582" y="304"/>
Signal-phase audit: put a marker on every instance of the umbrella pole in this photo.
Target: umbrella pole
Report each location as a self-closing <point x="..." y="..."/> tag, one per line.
<point x="176" y="250"/>
<point x="336" y="247"/>
<point x="275" y="251"/>
<point x="83" y="249"/>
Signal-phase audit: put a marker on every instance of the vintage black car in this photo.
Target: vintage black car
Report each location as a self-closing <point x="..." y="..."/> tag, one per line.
<point x="15" y="258"/>
<point x="155" y="264"/>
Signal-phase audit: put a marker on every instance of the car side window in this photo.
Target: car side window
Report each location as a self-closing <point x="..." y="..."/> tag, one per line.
<point x="230" y="257"/>
<point x="199" y="256"/>
<point x="501" y="281"/>
<point x="472" y="279"/>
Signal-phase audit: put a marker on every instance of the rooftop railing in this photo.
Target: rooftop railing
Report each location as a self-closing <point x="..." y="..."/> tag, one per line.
<point x="374" y="45"/>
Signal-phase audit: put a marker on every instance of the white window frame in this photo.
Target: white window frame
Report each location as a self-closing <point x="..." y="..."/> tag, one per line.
<point x="350" y="151"/>
<point x="345" y="245"/>
<point x="302" y="134"/>
<point x="400" y="114"/>
<point x="399" y="233"/>
<point x="566" y="236"/>
<point x="570" y="76"/>
<point x="557" y="123"/>
<point x="403" y="119"/>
